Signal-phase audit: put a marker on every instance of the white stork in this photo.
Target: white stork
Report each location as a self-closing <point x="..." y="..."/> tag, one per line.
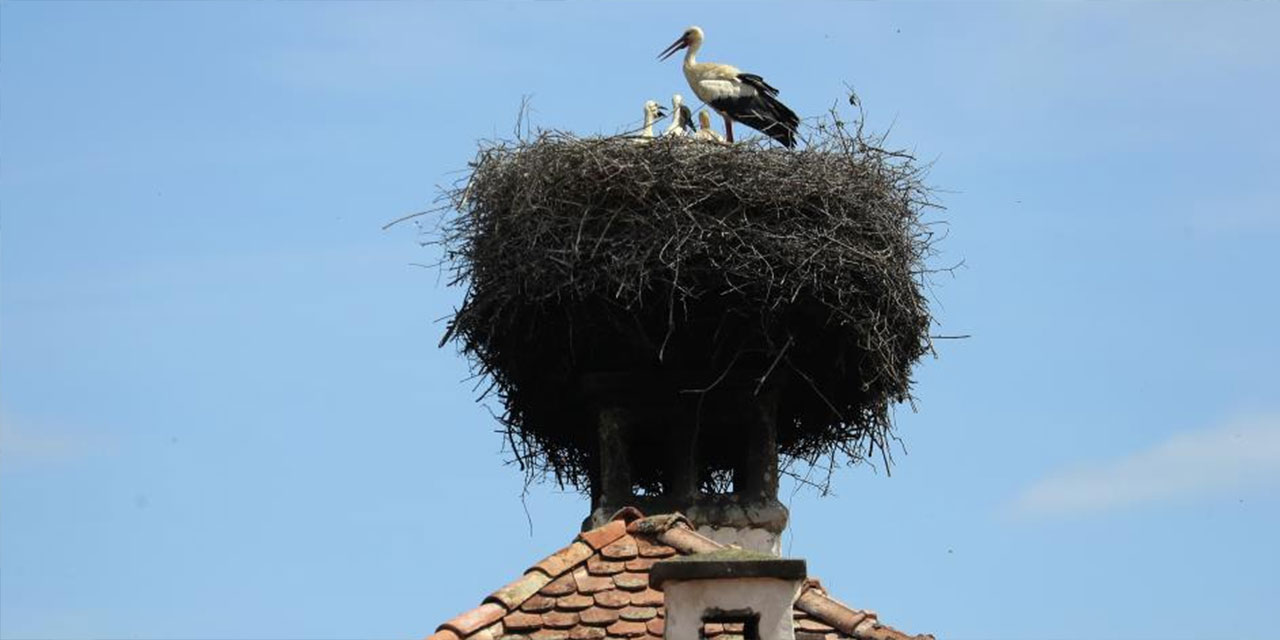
<point x="651" y="114"/>
<point x="681" y="118"/>
<point x="705" y="132"/>
<point x="744" y="97"/>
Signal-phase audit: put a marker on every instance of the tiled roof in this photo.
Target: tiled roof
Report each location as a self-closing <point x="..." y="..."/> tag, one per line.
<point x="597" y="588"/>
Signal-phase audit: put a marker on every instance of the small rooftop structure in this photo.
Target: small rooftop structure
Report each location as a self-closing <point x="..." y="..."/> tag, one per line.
<point x="603" y="587"/>
<point x="729" y="586"/>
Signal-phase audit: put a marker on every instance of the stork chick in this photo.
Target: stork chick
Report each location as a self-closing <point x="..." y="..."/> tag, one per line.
<point x="681" y="118"/>
<point x="705" y="132"/>
<point x="744" y="97"/>
<point x="651" y="114"/>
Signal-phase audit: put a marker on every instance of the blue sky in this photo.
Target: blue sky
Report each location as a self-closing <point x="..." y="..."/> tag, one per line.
<point x="222" y="409"/>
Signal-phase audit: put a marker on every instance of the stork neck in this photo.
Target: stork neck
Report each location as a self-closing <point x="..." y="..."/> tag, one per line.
<point x="689" y="59"/>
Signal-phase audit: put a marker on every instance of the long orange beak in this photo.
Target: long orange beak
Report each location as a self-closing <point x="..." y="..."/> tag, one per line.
<point x="679" y="44"/>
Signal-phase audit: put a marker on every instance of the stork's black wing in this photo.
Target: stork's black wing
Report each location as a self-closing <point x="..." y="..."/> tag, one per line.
<point x="758" y="83"/>
<point x="686" y="119"/>
<point x="761" y="111"/>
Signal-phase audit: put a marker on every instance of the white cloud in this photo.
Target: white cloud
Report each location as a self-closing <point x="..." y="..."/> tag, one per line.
<point x="1238" y="454"/>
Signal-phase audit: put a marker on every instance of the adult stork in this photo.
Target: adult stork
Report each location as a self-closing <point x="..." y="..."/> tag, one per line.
<point x="744" y="97"/>
<point x="681" y="118"/>
<point x="705" y="132"/>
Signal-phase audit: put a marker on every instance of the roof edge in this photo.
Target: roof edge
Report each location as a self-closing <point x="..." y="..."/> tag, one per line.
<point x="673" y="530"/>
<point x="863" y="624"/>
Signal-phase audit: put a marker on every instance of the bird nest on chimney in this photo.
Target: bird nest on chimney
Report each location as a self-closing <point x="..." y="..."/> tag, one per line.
<point x="583" y="255"/>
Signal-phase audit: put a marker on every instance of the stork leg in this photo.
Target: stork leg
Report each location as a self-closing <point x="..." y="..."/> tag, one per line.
<point x="728" y="128"/>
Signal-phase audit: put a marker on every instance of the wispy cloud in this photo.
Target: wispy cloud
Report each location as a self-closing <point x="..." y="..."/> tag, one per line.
<point x="1238" y="454"/>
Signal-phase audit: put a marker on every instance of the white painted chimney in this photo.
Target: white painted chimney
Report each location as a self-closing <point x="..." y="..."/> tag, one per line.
<point x="730" y="586"/>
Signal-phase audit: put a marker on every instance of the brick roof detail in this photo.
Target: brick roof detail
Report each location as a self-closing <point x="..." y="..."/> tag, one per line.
<point x="597" y="588"/>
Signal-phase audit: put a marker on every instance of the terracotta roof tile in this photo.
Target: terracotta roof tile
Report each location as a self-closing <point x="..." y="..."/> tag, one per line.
<point x="632" y="581"/>
<point x="653" y="550"/>
<point x="626" y="629"/>
<point x="638" y="614"/>
<point x="810" y="624"/>
<point x="475" y="619"/>
<point x="574" y="602"/>
<point x="559" y="619"/>
<point x="588" y="584"/>
<point x="599" y="616"/>
<point x="656" y="626"/>
<point x="623" y="548"/>
<point x="655" y="525"/>
<point x="521" y="621"/>
<point x="627" y="515"/>
<point x="614" y="599"/>
<point x="564" y="559"/>
<point x="602" y="536"/>
<point x="517" y="592"/>
<point x="550" y="634"/>
<point x="583" y="632"/>
<point x="647" y="598"/>
<point x="491" y="632"/>
<point x="640" y="564"/>
<point x="598" y="566"/>
<point x="688" y="541"/>
<point x="562" y="586"/>
<point x="827" y="610"/>
<point x="538" y="603"/>
<point x="443" y="634"/>
<point x="872" y="630"/>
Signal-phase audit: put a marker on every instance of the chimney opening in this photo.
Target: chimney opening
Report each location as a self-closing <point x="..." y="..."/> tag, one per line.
<point x="743" y="623"/>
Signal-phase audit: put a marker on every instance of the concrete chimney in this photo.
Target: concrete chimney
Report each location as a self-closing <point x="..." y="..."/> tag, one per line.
<point x="749" y="590"/>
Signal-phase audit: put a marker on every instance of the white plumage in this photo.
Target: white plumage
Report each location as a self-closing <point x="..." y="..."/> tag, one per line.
<point x="651" y="114"/>
<point x="705" y="132"/>
<point x="681" y="118"/>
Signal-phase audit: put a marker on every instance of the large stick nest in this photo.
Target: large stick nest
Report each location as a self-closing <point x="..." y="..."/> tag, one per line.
<point x="610" y="254"/>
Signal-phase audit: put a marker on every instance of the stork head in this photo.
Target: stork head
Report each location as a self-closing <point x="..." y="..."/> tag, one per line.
<point x="652" y="111"/>
<point x="676" y="101"/>
<point x="692" y="38"/>
<point x="704" y="120"/>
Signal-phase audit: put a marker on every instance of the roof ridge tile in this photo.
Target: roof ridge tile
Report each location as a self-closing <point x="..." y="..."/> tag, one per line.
<point x="564" y="559"/>
<point x="601" y="536"/>
<point x="472" y="621"/>
<point x="514" y="594"/>
<point x="656" y="525"/>
<point x="687" y="541"/>
<point x="443" y="634"/>
<point x="831" y="611"/>
<point x="627" y="514"/>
